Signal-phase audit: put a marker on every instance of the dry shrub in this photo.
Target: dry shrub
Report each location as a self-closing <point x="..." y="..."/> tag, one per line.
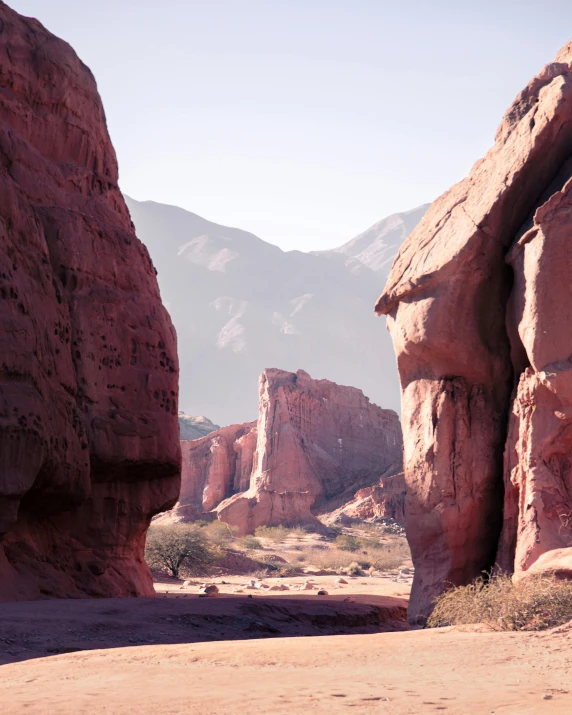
<point x="386" y="557"/>
<point x="298" y="532"/>
<point x="532" y="604"/>
<point x="330" y="559"/>
<point x="250" y="543"/>
<point x="219" y="533"/>
<point x="346" y="542"/>
<point x="276" y="534"/>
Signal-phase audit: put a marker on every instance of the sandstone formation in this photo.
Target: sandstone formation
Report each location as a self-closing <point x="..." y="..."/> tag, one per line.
<point x="478" y="305"/>
<point x="314" y="442"/>
<point x="89" y="448"/>
<point x="384" y="500"/>
<point x="213" y="468"/>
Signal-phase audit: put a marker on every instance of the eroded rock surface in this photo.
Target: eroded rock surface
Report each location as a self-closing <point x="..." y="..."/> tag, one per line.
<point x="385" y="500"/>
<point x="314" y="442"/>
<point x="89" y="447"/>
<point x="478" y="309"/>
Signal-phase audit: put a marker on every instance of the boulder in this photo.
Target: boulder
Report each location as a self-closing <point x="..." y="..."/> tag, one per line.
<point x="478" y="309"/>
<point x="89" y="447"/>
<point x="553" y="564"/>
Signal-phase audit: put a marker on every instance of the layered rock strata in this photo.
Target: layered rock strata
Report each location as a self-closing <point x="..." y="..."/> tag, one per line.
<point x="314" y="441"/>
<point x="89" y="447"/>
<point x="477" y="305"/>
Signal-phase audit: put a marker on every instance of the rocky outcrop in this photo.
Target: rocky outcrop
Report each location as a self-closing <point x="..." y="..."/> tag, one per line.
<point x="213" y="468"/>
<point x="314" y="442"/>
<point x="478" y="309"/>
<point x="89" y="448"/>
<point x="385" y="500"/>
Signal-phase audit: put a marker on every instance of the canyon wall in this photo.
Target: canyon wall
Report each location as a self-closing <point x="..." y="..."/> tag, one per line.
<point x="89" y="447"/>
<point x="477" y="309"/>
<point x="315" y="442"/>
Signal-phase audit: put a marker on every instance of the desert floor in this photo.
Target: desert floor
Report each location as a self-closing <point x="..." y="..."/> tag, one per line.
<point x="179" y="654"/>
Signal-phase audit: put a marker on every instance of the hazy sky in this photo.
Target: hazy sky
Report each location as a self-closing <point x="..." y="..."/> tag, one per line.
<point x="304" y="121"/>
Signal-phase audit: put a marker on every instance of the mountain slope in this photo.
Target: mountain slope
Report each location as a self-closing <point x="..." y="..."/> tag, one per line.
<point x="241" y="305"/>
<point x="376" y="247"/>
<point x="191" y="427"/>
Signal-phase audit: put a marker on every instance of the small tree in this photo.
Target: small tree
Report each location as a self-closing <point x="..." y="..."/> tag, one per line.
<point x="178" y="546"/>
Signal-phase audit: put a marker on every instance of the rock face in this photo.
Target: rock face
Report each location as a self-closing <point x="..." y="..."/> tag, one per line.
<point x="478" y="309"/>
<point x="89" y="448"/>
<point x="213" y="468"/>
<point x="315" y="441"/>
<point x="385" y="500"/>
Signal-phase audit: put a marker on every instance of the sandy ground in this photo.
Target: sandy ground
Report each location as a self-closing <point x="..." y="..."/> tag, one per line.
<point x="177" y="615"/>
<point x="232" y="654"/>
<point x="392" y="673"/>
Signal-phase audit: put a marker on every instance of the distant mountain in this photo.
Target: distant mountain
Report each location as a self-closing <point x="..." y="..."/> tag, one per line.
<point x="195" y="427"/>
<point x="376" y="247"/>
<point x="241" y="305"/>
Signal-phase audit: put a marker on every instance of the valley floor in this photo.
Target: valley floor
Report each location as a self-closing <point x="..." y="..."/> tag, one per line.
<point x="271" y="652"/>
<point x="430" y="671"/>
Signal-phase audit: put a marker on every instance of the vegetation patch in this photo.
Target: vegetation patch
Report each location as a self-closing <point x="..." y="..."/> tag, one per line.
<point x="180" y="549"/>
<point x="532" y="604"/>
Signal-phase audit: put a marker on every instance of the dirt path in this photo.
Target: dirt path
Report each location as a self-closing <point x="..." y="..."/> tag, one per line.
<point x="439" y="671"/>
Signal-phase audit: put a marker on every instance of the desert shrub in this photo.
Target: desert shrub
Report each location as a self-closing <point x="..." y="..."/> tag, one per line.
<point x="331" y="559"/>
<point x="386" y="557"/>
<point x="346" y="542"/>
<point x="179" y="547"/>
<point x="220" y="533"/>
<point x="276" y="534"/>
<point x="250" y="543"/>
<point x="288" y="570"/>
<point x="532" y="604"/>
<point x="354" y="569"/>
<point x="298" y="532"/>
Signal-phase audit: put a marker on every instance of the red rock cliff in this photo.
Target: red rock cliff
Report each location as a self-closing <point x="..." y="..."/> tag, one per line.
<point x="89" y="448"/>
<point x="315" y="441"/>
<point x="477" y="305"/>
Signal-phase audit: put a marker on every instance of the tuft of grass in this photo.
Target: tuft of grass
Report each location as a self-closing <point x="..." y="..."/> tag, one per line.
<point x="298" y="532"/>
<point x="276" y="534"/>
<point x="219" y="533"/>
<point x="532" y="604"/>
<point x="250" y="543"/>
<point x="387" y="557"/>
<point x="346" y="542"/>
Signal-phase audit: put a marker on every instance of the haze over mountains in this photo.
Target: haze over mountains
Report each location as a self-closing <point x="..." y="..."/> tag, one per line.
<point x="241" y="305"/>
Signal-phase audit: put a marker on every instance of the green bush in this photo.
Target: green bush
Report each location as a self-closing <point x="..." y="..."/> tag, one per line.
<point x="179" y="547"/>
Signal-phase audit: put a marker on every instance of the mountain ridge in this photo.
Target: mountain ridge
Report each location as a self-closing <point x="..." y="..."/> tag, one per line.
<point x="241" y="305"/>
